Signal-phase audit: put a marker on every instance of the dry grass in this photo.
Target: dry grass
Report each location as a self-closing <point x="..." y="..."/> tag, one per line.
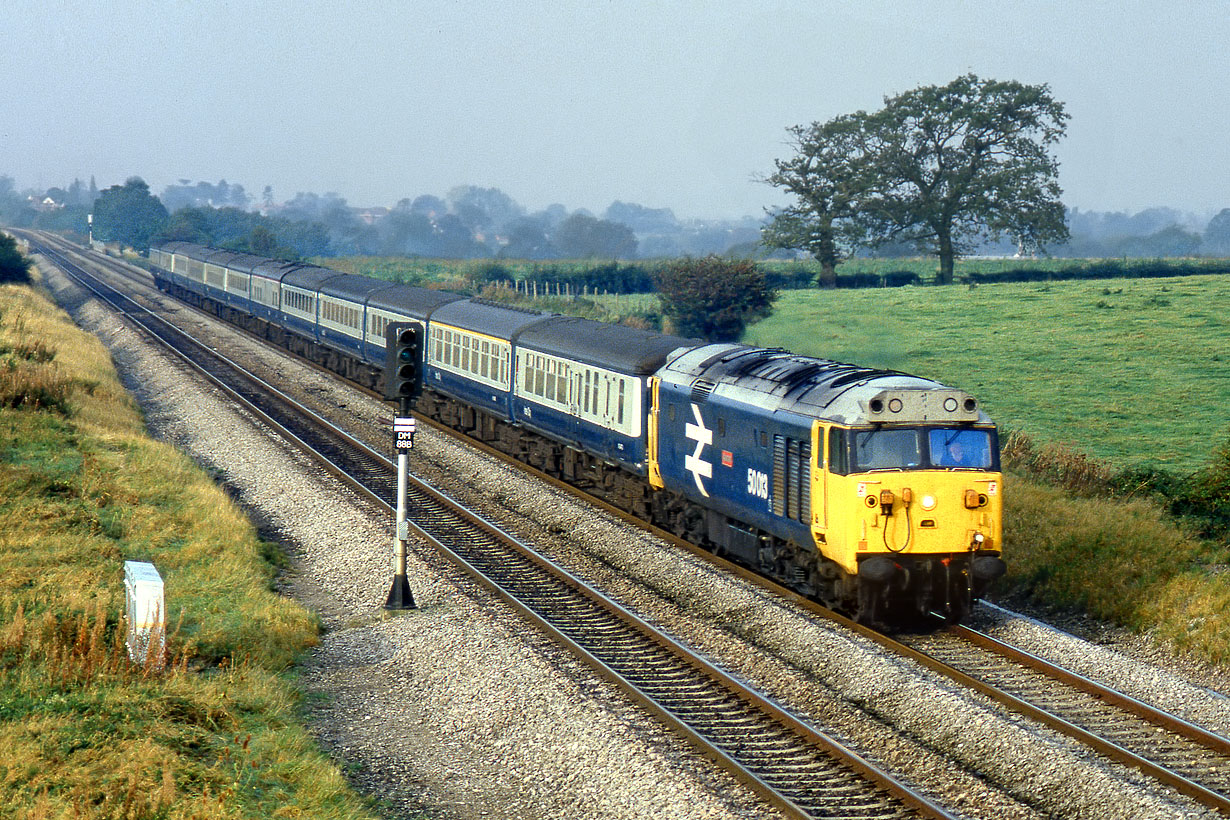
<point x="1119" y="560"/>
<point x="83" y="731"/>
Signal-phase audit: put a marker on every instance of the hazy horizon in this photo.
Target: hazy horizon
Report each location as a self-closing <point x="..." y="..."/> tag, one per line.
<point x="674" y="106"/>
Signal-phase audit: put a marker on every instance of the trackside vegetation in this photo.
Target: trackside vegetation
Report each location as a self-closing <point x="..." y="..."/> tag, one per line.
<point x="83" y="732"/>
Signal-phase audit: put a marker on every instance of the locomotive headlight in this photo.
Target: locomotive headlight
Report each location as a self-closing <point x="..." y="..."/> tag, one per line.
<point x="928" y="502"/>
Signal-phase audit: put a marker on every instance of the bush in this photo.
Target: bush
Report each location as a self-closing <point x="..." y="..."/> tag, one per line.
<point x="1056" y="465"/>
<point x="713" y="298"/>
<point x="1205" y="496"/>
<point x="14" y="268"/>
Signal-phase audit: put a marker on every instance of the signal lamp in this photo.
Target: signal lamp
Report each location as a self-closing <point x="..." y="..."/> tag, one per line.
<point x="403" y="360"/>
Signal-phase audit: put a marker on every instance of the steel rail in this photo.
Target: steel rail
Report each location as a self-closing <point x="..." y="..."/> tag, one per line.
<point x="1171" y="723"/>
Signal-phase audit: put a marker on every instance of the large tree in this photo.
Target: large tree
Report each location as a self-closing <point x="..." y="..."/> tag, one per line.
<point x="941" y="167"/>
<point x="128" y="214"/>
<point x="826" y="176"/>
<point x="713" y="298"/>
<point x="1217" y="234"/>
<point x="582" y="236"/>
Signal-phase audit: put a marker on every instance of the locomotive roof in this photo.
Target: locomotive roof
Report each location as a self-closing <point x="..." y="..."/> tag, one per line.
<point x="621" y="348"/>
<point x="412" y="301"/>
<point x="778" y="380"/>
<point x="488" y="318"/>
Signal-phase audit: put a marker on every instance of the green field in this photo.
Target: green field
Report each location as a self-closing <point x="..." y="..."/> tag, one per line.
<point x="1127" y="370"/>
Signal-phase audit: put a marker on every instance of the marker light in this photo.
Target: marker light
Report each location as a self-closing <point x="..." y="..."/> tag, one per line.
<point x="928" y="502"/>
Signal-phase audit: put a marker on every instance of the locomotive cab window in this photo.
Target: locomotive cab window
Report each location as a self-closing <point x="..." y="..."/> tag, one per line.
<point x="961" y="448"/>
<point x="887" y="449"/>
<point x="839" y="454"/>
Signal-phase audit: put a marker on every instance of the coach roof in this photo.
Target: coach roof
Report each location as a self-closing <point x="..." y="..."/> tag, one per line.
<point x="309" y="277"/>
<point x="352" y="288"/>
<point x="617" y="347"/>
<point x="487" y="318"/>
<point x="235" y="260"/>
<point x="410" y="301"/>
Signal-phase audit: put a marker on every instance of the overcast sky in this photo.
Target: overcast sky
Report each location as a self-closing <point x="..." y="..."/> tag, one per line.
<point x="667" y="104"/>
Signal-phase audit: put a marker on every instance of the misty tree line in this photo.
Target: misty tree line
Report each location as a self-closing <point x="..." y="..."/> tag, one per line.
<point x="468" y="223"/>
<point x="473" y="223"/>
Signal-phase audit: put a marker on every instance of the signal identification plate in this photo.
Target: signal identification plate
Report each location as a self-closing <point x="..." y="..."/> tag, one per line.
<point x="403" y="432"/>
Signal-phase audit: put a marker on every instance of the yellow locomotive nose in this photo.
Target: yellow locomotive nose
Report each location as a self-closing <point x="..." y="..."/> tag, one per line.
<point x="937" y="512"/>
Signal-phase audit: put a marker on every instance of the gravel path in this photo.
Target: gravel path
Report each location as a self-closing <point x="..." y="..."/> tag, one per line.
<point x="459" y="710"/>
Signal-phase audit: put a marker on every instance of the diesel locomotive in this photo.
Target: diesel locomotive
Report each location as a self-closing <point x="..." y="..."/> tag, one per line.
<point x="875" y="492"/>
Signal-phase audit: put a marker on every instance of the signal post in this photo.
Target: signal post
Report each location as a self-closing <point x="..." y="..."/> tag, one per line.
<point x="403" y="382"/>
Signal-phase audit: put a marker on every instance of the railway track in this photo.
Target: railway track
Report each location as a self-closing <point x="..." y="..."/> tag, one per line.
<point x="793" y="765"/>
<point x="1184" y="757"/>
<point x="1189" y="759"/>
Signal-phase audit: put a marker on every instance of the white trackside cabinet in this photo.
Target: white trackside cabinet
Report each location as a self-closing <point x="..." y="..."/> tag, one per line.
<point x="145" y="607"/>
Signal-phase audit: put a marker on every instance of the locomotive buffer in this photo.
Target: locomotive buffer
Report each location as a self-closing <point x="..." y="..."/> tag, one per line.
<point x="403" y="382"/>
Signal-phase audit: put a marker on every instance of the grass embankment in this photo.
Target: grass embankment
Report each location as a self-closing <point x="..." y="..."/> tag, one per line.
<point x="1123" y="561"/>
<point x="84" y="733"/>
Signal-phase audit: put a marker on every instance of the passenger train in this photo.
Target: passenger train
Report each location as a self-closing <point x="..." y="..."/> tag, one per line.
<point x="875" y="492"/>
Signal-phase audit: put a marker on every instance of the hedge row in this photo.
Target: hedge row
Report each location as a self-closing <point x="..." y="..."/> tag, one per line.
<point x="611" y="277"/>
